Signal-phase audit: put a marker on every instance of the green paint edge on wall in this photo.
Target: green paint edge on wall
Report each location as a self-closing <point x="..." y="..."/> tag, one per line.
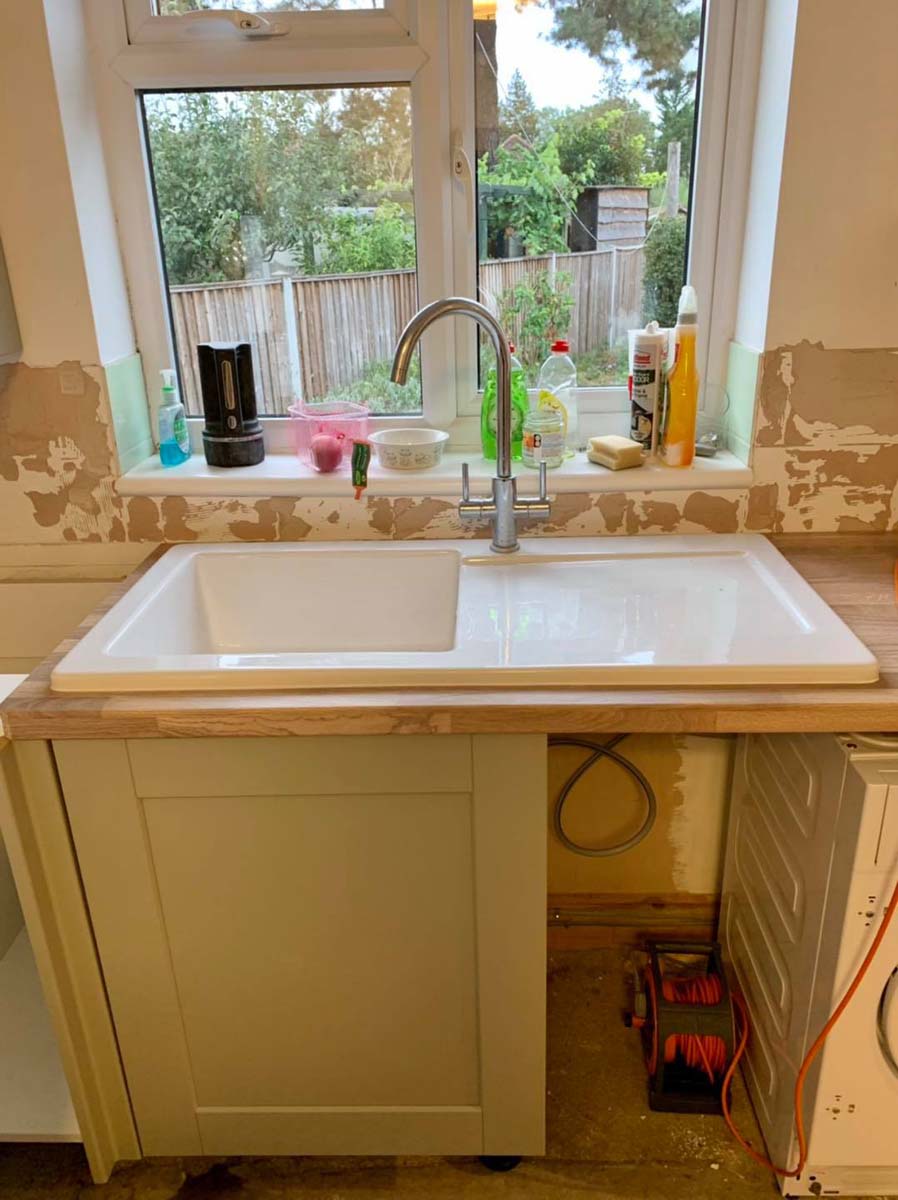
<point x="742" y="386"/>
<point x="130" y="412"/>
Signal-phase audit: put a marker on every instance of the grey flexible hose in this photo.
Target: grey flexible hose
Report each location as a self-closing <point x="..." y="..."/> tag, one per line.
<point x="882" y="1035"/>
<point x="601" y="750"/>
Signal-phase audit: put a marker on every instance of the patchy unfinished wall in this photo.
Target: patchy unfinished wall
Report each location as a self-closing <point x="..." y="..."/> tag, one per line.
<point x="57" y="456"/>
<point x="826" y="440"/>
<point x="825" y="459"/>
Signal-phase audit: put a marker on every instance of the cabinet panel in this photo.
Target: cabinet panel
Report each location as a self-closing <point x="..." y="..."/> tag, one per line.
<point x="110" y="842"/>
<point x="344" y="925"/>
<point x="328" y="972"/>
<point x="344" y="1131"/>
<point x="299" y="766"/>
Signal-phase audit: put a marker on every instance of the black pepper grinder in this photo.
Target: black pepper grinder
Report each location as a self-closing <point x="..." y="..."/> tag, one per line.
<point x="232" y="435"/>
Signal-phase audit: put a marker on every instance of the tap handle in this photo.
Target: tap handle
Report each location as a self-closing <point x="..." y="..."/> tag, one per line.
<point x="543" y="482"/>
<point x="465" y="483"/>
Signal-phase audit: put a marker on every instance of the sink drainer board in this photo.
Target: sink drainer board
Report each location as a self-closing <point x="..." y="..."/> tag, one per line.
<point x="631" y="611"/>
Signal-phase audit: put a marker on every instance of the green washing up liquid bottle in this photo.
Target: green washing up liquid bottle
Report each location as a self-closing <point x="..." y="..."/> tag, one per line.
<point x="520" y="406"/>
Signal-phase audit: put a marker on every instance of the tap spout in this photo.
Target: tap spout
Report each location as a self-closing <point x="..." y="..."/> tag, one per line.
<point x="461" y="306"/>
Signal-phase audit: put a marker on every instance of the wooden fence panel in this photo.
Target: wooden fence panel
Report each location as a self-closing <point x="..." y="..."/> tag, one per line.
<point x="252" y="312"/>
<point x="346" y="322"/>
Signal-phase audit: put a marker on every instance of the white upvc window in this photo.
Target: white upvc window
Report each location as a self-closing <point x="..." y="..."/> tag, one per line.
<point x="315" y="315"/>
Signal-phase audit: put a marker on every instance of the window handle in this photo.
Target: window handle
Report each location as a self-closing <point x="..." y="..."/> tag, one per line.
<point x="464" y="173"/>
<point x="465" y="483"/>
<point x="252" y="25"/>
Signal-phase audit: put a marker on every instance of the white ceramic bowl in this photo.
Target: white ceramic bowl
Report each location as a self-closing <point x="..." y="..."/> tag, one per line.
<point x="409" y="449"/>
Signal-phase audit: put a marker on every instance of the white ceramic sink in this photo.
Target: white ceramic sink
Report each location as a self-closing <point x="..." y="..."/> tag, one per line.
<point x="577" y="611"/>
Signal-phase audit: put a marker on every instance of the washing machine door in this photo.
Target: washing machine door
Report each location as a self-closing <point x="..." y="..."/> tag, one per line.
<point x="887" y="1021"/>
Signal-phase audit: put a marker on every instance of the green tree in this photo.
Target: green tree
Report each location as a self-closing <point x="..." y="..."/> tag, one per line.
<point x="665" y="269"/>
<point x="377" y="126"/>
<point x="676" y="122"/>
<point x="658" y="34"/>
<point x="603" y="144"/>
<point x="243" y="175"/>
<point x="202" y="186"/>
<point x="528" y="194"/>
<point x="517" y="112"/>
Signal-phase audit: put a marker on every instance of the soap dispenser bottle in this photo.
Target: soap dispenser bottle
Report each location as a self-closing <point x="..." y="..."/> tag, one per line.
<point x="174" y="440"/>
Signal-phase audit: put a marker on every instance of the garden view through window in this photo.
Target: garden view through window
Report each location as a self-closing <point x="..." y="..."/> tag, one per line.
<point x="286" y="219"/>
<point x="585" y="115"/>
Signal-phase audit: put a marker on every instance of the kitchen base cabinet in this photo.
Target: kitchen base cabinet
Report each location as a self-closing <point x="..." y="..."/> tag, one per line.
<point x="321" y="945"/>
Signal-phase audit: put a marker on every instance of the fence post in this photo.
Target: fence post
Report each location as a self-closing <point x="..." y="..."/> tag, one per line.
<point x="672" y="184"/>
<point x="612" y="299"/>
<point x="292" y="330"/>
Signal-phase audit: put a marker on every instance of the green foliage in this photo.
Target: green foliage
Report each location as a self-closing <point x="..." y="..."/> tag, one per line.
<point x="665" y="269"/>
<point x="355" y="243"/>
<point x="528" y="194"/>
<point x="657" y="34"/>
<point x="517" y="112"/>
<point x="604" y="144"/>
<point x="376" y="123"/>
<point x="382" y="397"/>
<point x="540" y="312"/>
<point x="654" y="180"/>
<point x="676" y="112"/>
<point x="244" y="175"/>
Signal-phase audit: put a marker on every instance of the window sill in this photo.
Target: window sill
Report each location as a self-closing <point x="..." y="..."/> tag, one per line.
<point x="284" y="475"/>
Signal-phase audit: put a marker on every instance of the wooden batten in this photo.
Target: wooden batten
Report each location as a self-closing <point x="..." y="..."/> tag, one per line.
<point x="594" y="920"/>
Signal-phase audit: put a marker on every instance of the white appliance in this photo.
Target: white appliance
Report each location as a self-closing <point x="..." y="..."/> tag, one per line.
<point x="812" y="858"/>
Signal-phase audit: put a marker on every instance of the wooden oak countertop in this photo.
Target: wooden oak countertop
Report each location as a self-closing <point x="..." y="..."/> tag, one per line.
<point x="853" y="573"/>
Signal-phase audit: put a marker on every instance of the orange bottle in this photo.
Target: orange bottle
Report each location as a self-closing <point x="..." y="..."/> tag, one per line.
<point x="682" y="386"/>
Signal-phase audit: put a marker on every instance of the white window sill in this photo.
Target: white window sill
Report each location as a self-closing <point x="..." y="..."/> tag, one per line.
<point x="284" y="475"/>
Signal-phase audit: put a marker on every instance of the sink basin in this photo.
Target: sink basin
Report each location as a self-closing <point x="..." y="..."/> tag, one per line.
<point x="571" y="611"/>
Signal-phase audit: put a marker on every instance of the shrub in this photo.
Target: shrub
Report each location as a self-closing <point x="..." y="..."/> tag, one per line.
<point x="665" y="269"/>
<point x="352" y="243"/>
<point x="540" y="312"/>
<point x="375" y="389"/>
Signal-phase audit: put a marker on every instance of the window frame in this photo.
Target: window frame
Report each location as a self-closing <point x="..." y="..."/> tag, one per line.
<point x="426" y="44"/>
<point x="392" y="20"/>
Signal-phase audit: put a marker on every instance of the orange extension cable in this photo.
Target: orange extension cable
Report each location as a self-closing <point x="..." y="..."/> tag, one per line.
<point x="702" y="1052"/>
<point x="808" y="1058"/>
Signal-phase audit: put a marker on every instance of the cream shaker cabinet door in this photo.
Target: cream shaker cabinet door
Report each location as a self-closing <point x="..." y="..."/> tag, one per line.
<point x="296" y="968"/>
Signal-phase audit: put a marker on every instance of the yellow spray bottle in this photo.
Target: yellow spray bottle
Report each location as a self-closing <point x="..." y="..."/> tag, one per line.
<point x="682" y="386"/>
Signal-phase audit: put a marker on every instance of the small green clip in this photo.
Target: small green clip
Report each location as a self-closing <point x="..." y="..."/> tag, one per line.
<point x="361" y="457"/>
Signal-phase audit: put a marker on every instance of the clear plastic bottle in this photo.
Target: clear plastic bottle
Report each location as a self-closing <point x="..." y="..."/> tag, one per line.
<point x="520" y="406"/>
<point x="174" y="440"/>
<point x="557" y="389"/>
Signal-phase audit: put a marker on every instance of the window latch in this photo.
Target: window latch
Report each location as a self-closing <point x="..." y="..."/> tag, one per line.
<point x="251" y="25"/>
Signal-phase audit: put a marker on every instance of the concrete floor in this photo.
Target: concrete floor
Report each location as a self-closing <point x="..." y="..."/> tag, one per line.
<point x="603" y="1143"/>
